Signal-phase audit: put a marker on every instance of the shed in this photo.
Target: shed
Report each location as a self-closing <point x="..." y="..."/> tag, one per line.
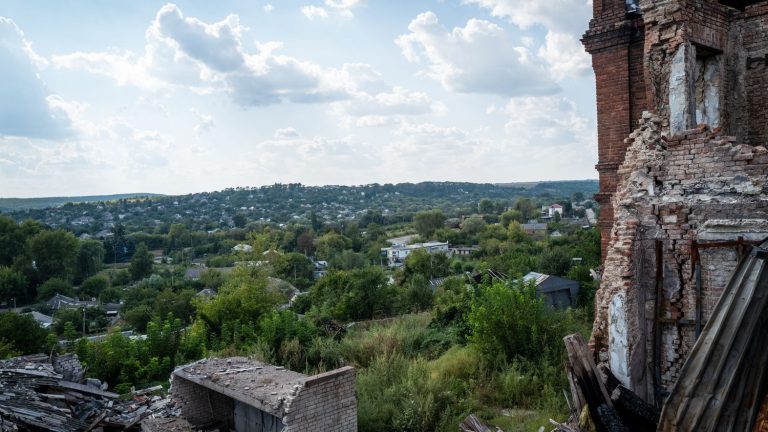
<point x="249" y="396"/>
<point x="45" y="321"/>
<point x="557" y="292"/>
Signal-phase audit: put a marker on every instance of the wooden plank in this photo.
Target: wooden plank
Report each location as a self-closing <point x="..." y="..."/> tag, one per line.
<point x="87" y="389"/>
<point x="96" y="422"/>
<point x="724" y="379"/>
<point x="473" y="424"/>
<point x="589" y="386"/>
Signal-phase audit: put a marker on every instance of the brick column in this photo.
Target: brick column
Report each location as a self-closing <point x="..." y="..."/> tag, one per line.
<point x="615" y="41"/>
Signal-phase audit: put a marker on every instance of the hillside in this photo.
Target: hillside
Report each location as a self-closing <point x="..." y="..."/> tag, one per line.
<point x="8" y="205"/>
<point x="285" y="203"/>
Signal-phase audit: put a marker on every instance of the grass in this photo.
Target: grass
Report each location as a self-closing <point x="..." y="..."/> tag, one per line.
<point x="410" y="381"/>
<point x="414" y="377"/>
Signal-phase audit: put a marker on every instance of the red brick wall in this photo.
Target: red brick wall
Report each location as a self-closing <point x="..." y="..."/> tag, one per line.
<point x="616" y="45"/>
<point x="696" y="186"/>
<point x="756" y="77"/>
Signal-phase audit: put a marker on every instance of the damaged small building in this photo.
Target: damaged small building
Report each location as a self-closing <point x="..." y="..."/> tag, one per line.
<point x="248" y="396"/>
<point x="682" y="99"/>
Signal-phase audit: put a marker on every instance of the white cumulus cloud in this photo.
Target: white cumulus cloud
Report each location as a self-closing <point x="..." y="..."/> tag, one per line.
<point x="565" y="16"/>
<point x="565" y="55"/>
<point x="286" y="133"/>
<point x="205" y="122"/>
<point x="565" y="21"/>
<point x="187" y="52"/>
<point x="314" y="12"/>
<point x="27" y="107"/>
<point x="476" y="58"/>
<point x="385" y="108"/>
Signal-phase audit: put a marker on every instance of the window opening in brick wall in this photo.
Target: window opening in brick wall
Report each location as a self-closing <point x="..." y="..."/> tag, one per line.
<point x="632" y="7"/>
<point x="707" y="86"/>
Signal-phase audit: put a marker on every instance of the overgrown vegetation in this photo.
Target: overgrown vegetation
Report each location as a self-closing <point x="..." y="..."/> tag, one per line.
<point x="445" y="341"/>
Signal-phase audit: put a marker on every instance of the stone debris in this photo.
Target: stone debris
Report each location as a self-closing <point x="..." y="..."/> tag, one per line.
<point x="37" y="393"/>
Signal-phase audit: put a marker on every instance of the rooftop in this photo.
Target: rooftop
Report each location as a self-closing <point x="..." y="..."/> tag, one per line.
<point x="417" y="245"/>
<point x="261" y="385"/>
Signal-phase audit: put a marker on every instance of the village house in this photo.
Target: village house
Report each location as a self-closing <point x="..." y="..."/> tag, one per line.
<point x="398" y="253"/>
<point x="535" y="228"/>
<point x="555" y="209"/>
<point x="463" y="251"/>
<point x="60" y="301"/>
<point x="559" y="293"/>
<point x="45" y="321"/>
<point x="242" y="247"/>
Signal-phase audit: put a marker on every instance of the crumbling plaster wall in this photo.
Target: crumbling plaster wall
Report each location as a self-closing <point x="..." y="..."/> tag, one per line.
<point x="696" y="185"/>
<point x="684" y="178"/>
<point x="700" y="50"/>
<point x="679" y="36"/>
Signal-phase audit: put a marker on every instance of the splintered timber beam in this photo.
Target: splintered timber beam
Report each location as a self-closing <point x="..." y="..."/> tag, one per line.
<point x="587" y="387"/>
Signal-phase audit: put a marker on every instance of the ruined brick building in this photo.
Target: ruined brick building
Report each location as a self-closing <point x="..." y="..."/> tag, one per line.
<point x="682" y="105"/>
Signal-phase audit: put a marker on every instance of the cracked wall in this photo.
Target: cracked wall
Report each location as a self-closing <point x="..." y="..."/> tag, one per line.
<point x="695" y="186"/>
<point x="694" y="171"/>
<point x="689" y="61"/>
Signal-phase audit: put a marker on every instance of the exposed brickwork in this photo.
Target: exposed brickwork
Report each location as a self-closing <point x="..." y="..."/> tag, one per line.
<point x="205" y="391"/>
<point x="193" y="400"/>
<point x="326" y="403"/>
<point x="755" y="40"/>
<point x="696" y="186"/>
<point x="632" y="56"/>
<point x="616" y="45"/>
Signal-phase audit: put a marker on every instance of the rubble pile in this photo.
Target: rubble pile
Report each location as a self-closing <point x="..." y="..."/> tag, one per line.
<point x="38" y="393"/>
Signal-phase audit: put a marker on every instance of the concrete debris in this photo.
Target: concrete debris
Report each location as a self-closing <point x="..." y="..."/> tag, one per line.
<point x="36" y="394"/>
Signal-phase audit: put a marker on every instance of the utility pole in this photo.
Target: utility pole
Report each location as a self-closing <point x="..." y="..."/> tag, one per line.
<point x="83" y="320"/>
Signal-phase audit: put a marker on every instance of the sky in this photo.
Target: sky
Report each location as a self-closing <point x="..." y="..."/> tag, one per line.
<point x="123" y="96"/>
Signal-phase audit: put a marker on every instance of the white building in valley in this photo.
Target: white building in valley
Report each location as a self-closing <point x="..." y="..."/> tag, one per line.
<point x="398" y="253"/>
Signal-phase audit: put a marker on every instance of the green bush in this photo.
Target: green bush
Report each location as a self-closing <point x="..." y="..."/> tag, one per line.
<point x="21" y="333"/>
<point x="508" y="322"/>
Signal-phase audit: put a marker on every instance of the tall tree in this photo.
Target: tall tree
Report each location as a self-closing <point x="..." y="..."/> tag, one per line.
<point x="472" y="225"/>
<point x="356" y="294"/>
<point x="526" y="207"/>
<point x="22" y="331"/>
<point x="90" y="258"/>
<point x="293" y="267"/>
<point x="331" y="244"/>
<point x="141" y="263"/>
<point x="485" y="206"/>
<point x="11" y="240"/>
<point x="426" y="264"/>
<point x="239" y="220"/>
<point x="13" y="285"/>
<point x="427" y="222"/>
<point x="54" y="254"/>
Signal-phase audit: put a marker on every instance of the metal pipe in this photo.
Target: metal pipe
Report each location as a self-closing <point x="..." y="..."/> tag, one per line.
<point x="657" y="323"/>
<point x="698" y="300"/>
